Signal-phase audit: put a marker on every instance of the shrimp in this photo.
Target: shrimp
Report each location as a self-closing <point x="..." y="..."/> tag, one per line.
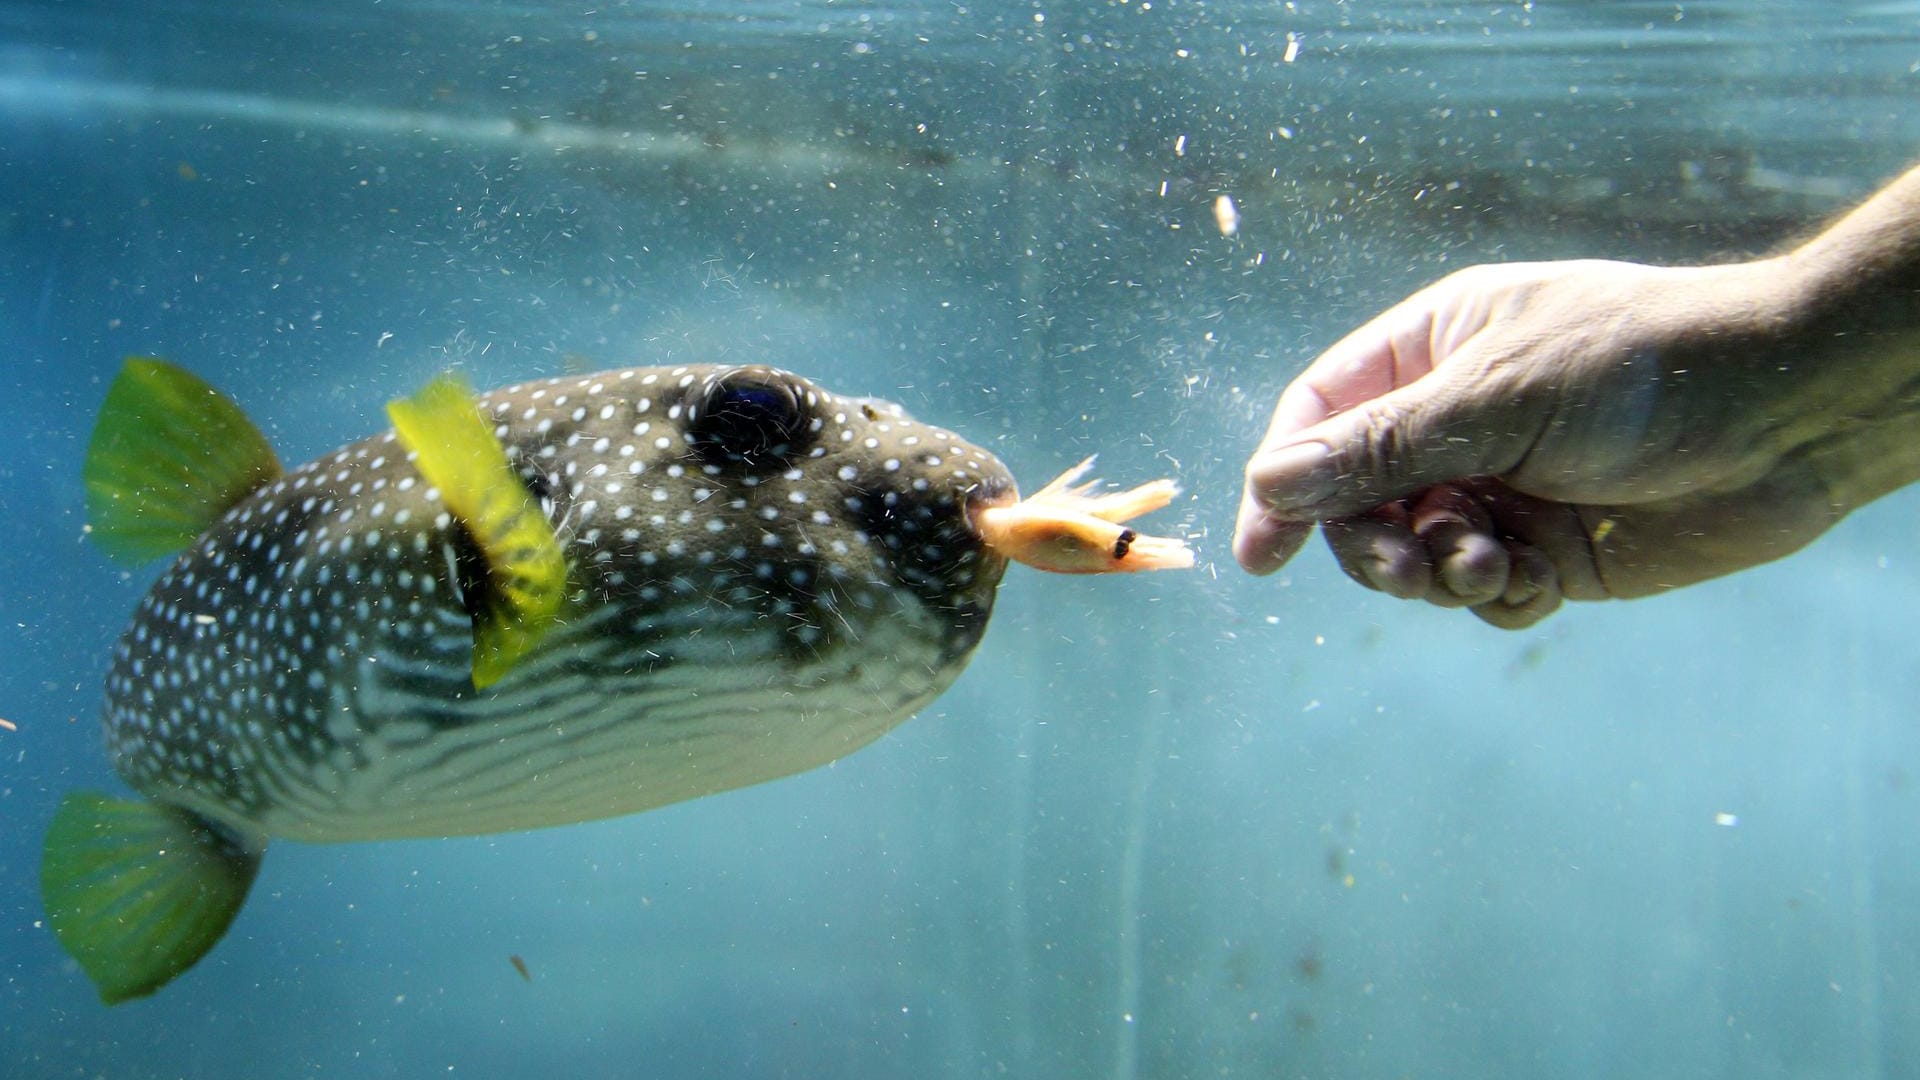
<point x="1068" y="529"/>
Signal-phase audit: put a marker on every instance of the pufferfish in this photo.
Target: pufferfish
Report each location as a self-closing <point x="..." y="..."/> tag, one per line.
<point x="551" y="603"/>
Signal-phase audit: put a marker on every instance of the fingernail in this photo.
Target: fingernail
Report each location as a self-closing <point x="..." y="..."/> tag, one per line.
<point x="1296" y="477"/>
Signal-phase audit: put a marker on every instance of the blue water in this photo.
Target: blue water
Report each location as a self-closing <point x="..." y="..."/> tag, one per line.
<point x="1171" y="826"/>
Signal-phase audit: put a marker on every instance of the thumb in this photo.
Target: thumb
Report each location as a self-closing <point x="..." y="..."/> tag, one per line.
<point x="1450" y="424"/>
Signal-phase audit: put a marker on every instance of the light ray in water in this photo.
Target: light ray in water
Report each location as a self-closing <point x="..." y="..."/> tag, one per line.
<point x="63" y="98"/>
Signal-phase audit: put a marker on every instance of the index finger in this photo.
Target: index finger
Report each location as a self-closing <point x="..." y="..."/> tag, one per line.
<point x="1386" y="352"/>
<point x="1390" y="351"/>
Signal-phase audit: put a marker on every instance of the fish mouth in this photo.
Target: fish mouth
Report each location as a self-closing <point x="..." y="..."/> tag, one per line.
<point x="990" y="493"/>
<point x="999" y="490"/>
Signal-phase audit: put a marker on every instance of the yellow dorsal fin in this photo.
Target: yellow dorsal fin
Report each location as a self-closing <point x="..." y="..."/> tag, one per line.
<point x="169" y="455"/>
<point x="455" y="449"/>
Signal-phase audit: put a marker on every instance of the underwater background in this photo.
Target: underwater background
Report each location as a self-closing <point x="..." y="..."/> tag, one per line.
<point x="1173" y="825"/>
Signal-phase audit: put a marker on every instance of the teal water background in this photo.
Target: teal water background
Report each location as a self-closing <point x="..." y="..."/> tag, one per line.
<point x="1181" y="825"/>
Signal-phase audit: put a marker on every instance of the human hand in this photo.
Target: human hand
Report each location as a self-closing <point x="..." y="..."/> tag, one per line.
<point x="1518" y="434"/>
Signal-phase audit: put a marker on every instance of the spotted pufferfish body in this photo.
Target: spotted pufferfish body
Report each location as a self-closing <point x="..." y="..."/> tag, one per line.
<point x="762" y="576"/>
<point x="555" y="602"/>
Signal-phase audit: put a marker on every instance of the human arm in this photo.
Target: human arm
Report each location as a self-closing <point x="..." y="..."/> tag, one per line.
<point x="1516" y="434"/>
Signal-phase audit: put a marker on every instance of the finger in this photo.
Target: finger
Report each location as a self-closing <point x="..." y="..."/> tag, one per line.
<point x="1457" y="423"/>
<point x="1379" y="550"/>
<point x="1560" y="533"/>
<point x="1471" y="565"/>
<point x="1263" y="542"/>
<point x="1532" y="593"/>
<point x="1417" y="397"/>
<point x="1389" y="351"/>
<point x="1381" y="356"/>
<point x="1393" y="349"/>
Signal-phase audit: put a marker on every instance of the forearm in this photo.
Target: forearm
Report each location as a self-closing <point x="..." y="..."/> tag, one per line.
<point x="1854" y="346"/>
<point x="1871" y="253"/>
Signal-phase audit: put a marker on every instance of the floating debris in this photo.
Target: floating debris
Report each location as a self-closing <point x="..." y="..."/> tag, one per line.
<point x="1226" y="215"/>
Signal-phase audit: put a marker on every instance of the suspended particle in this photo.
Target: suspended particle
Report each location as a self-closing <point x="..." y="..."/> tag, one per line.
<point x="1226" y="215"/>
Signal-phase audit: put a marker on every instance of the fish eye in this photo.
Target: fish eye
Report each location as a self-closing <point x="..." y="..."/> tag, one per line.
<point x="748" y="413"/>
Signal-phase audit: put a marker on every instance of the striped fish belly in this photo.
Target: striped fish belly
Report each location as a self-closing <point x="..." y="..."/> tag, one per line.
<point x="625" y="709"/>
<point x="626" y="712"/>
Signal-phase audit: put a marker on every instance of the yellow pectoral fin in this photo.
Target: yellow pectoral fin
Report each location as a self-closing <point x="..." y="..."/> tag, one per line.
<point x="455" y="449"/>
<point x="168" y="456"/>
